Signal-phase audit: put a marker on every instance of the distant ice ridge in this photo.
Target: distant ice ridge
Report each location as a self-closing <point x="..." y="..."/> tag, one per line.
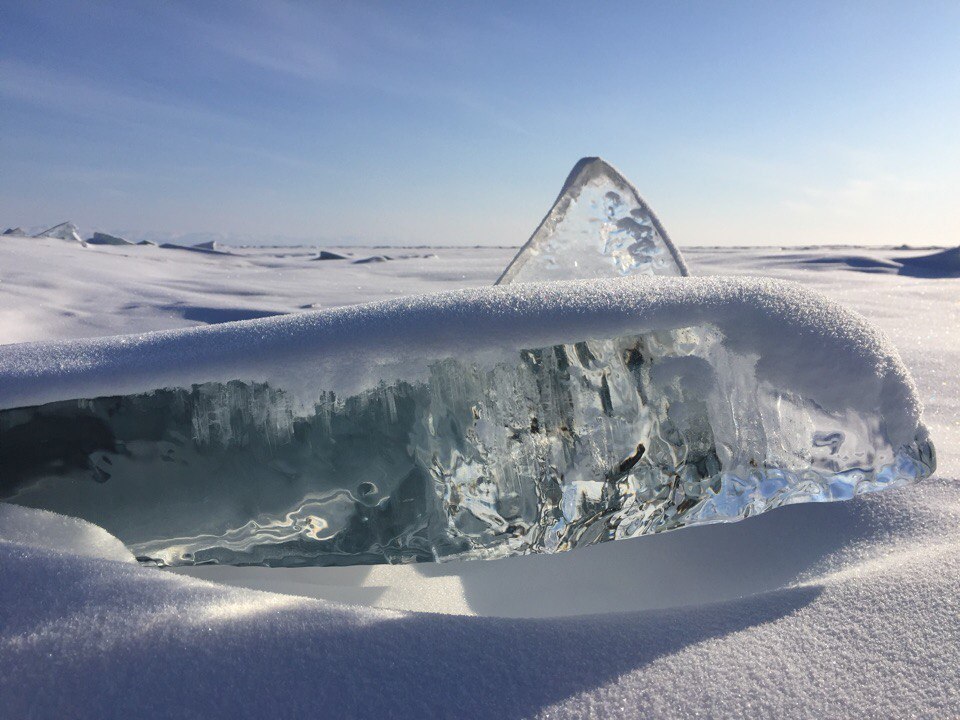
<point x="63" y="231"/>
<point x="533" y="418"/>
<point x="101" y="238"/>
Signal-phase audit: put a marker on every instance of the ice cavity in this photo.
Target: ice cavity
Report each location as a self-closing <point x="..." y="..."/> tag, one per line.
<point x="474" y="424"/>
<point x="598" y="227"/>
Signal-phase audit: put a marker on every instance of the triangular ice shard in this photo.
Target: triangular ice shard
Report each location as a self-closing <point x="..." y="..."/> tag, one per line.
<point x="598" y="227"/>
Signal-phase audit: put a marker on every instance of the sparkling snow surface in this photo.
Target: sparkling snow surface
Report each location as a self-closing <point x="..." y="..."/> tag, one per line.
<point x="844" y="609"/>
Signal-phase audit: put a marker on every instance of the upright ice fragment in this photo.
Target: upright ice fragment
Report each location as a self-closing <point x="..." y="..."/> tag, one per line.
<point x="598" y="227"/>
<point x="506" y="420"/>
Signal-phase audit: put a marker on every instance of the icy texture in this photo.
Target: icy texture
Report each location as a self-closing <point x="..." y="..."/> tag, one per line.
<point x="557" y="447"/>
<point x="598" y="227"/>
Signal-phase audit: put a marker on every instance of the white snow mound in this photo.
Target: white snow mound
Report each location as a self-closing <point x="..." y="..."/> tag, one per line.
<point x="60" y="534"/>
<point x="802" y="340"/>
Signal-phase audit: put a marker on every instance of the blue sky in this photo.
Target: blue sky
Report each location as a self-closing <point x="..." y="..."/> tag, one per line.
<point x="456" y="123"/>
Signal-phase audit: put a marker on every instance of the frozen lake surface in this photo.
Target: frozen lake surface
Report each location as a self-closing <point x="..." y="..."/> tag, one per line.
<point x="843" y="609"/>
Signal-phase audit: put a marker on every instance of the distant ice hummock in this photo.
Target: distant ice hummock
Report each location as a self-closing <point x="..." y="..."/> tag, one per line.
<point x="102" y="238"/>
<point x="328" y="255"/>
<point x="63" y="231"/>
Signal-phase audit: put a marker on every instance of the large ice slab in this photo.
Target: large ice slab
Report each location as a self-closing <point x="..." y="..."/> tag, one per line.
<point x="598" y="227"/>
<point x="515" y="419"/>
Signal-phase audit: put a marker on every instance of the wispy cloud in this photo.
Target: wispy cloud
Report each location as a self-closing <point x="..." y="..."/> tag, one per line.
<point x="857" y="196"/>
<point x="73" y="96"/>
<point x="363" y="49"/>
<point x="318" y="43"/>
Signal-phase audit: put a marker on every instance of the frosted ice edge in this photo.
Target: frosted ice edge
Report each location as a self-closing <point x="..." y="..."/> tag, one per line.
<point x="565" y="446"/>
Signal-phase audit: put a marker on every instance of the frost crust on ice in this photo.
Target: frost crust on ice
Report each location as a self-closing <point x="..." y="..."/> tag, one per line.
<point x="801" y="339"/>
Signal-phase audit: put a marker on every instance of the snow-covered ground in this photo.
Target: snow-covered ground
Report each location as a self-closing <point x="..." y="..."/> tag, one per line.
<point x="845" y="609"/>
